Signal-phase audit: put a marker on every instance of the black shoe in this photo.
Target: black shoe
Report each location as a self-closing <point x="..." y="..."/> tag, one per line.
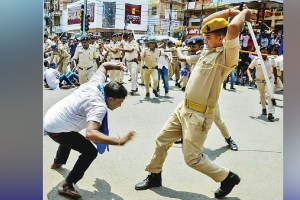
<point x="129" y="79"/>
<point x="177" y="84"/>
<point x="178" y="141"/>
<point x="232" y="88"/>
<point x="274" y="102"/>
<point x="142" y="84"/>
<point x="224" y="88"/>
<point x="264" y="111"/>
<point x="226" y="186"/>
<point x="271" y="117"/>
<point x="148" y="94"/>
<point x="152" y="180"/>
<point x="155" y="93"/>
<point x="232" y="144"/>
<point x="183" y="88"/>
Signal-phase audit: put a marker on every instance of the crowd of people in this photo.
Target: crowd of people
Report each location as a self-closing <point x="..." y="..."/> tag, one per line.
<point x="198" y="65"/>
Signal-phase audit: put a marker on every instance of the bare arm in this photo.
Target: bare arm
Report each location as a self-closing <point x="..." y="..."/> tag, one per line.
<point x="112" y="66"/>
<point x="94" y="135"/>
<point x="237" y="23"/>
<point x="181" y="56"/>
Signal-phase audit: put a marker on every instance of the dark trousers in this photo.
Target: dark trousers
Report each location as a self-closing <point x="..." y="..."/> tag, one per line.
<point x="77" y="142"/>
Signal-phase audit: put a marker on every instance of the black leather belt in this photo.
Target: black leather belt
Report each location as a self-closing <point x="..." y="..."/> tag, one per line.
<point x="85" y="68"/>
<point x="116" y="58"/>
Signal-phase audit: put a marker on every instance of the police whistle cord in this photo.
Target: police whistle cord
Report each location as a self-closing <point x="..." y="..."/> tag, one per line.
<point x="269" y="87"/>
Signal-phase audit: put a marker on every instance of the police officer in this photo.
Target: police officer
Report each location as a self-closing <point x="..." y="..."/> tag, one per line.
<point x="63" y="58"/>
<point x="150" y="57"/>
<point x="116" y="57"/>
<point x="261" y="81"/>
<point x="193" y="117"/>
<point x="131" y="55"/>
<point x="144" y="46"/>
<point x="84" y="57"/>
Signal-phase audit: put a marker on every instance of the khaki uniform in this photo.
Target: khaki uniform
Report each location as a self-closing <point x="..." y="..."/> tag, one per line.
<point x="115" y="75"/>
<point x="279" y="67"/>
<point x="150" y="59"/>
<point x="191" y="60"/>
<point x="141" y="65"/>
<point x="96" y="49"/>
<point x="193" y="117"/>
<point x="61" y="53"/>
<point x="132" y="62"/>
<point x="261" y="81"/>
<point x="85" y="65"/>
<point x="174" y="68"/>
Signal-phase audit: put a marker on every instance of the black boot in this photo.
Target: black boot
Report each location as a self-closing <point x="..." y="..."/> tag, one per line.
<point x="232" y="144"/>
<point x="270" y="117"/>
<point x="147" y="94"/>
<point x="155" y="93"/>
<point x="264" y="111"/>
<point x="226" y="186"/>
<point x="178" y="141"/>
<point x="152" y="180"/>
<point x="274" y="102"/>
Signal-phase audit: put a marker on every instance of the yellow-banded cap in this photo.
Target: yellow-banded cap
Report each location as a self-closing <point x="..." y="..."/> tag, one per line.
<point x="213" y="25"/>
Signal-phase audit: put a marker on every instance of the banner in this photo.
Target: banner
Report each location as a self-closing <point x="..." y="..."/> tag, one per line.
<point x="109" y="15"/>
<point x="193" y="30"/>
<point x="75" y="13"/>
<point x="153" y="20"/>
<point x="132" y="13"/>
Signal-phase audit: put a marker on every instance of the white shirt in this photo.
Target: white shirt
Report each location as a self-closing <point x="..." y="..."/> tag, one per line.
<point x="269" y="64"/>
<point x="131" y="55"/>
<point x="162" y="60"/>
<point x="51" y="76"/>
<point x="72" y="113"/>
<point x="279" y="62"/>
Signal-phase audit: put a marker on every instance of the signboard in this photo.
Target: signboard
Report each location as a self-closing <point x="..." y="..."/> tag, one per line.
<point x="153" y="20"/>
<point x="75" y="12"/>
<point x="199" y="3"/>
<point x="109" y="15"/>
<point x="133" y="13"/>
<point x="164" y="24"/>
<point x="192" y="30"/>
<point x="167" y="14"/>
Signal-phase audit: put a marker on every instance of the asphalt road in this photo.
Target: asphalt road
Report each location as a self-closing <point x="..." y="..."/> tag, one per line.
<point x="259" y="161"/>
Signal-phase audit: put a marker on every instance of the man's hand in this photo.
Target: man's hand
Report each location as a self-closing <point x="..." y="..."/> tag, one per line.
<point x="124" y="139"/>
<point x="122" y="67"/>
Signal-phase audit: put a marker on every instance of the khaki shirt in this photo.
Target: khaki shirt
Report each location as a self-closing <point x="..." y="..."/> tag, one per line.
<point x="269" y="64"/>
<point x="193" y="59"/>
<point x="210" y="71"/>
<point x="86" y="56"/>
<point x="61" y="52"/>
<point x="150" y="58"/>
<point x="131" y="45"/>
<point x="114" y="46"/>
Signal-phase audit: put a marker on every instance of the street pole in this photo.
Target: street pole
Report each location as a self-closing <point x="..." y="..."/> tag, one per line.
<point x="51" y="14"/>
<point x="84" y="16"/>
<point x="170" y="17"/>
<point x="201" y="20"/>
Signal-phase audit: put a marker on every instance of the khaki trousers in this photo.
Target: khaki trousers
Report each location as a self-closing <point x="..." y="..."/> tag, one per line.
<point x="220" y="123"/>
<point x="115" y="75"/>
<point x="62" y="67"/>
<point x="184" y="79"/>
<point x="134" y="75"/>
<point x="141" y="72"/>
<point x="261" y="86"/>
<point x="85" y="75"/>
<point x="154" y="74"/>
<point x="174" y="69"/>
<point x="193" y="127"/>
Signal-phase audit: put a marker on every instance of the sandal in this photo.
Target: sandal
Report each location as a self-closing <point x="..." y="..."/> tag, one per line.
<point x="69" y="191"/>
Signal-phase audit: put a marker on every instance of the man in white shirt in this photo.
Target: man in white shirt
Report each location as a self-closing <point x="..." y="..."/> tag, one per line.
<point x="261" y="81"/>
<point x="163" y="62"/>
<point x="131" y="55"/>
<point x="86" y="108"/>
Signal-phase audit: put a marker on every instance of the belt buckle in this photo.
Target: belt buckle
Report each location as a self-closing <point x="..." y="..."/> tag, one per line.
<point x="206" y="110"/>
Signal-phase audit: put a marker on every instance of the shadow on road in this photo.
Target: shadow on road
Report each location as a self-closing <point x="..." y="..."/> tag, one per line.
<point x="167" y="192"/>
<point x="103" y="192"/>
<point x="213" y="154"/>
<point x="156" y="100"/>
<point x="263" y="119"/>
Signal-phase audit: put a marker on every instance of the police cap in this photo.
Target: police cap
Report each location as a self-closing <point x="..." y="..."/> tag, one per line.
<point x="213" y="25"/>
<point x="115" y="35"/>
<point x="195" y="40"/>
<point x="53" y="46"/>
<point x="84" y="37"/>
